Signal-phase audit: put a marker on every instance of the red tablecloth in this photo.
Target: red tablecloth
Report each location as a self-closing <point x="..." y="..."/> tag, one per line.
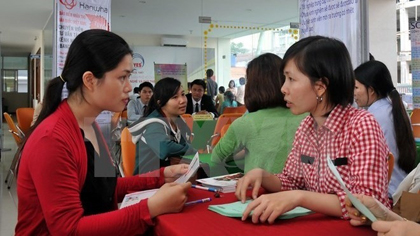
<point x="198" y="220"/>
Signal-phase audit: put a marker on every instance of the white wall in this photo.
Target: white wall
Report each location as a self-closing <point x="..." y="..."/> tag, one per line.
<point x="382" y="33"/>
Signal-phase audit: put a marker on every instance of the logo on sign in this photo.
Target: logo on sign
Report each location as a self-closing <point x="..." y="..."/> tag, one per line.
<point x="138" y="61"/>
<point x="69" y="4"/>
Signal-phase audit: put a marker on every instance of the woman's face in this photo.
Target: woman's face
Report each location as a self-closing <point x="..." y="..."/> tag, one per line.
<point x="112" y="91"/>
<point x="231" y="84"/>
<point x="176" y="105"/>
<point x="361" y="95"/>
<point x="299" y="92"/>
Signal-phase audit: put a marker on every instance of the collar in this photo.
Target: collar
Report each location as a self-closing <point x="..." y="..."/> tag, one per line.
<point x="194" y="102"/>
<point x="378" y="103"/>
<point x="334" y="122"/>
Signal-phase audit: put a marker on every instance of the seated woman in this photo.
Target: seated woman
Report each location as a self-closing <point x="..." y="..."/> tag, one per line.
<point x="266" y="133"/>
<point x="320" y="80"/>
<point x="229" y="101"/>
<point x="374" y="90"/>
<point x="162" y="135"/>
<point x="67" y="183"/>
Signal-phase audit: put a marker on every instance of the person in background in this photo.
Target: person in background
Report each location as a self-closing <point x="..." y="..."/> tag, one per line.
<point x="240" y="95"/>
<point x="320" y="80"/>
<point x="266" y="132"/>
<point x="135" y="94"/>
<point x="232" y="87"/>
<point x="375" y="91"/>
<point x="67" y="183"/>
<point x="220" y="98"/>
<point x="136" y="108"/>
<point x="229" y="101"/>
<point x="211" y="84"/>
<point x="162" y="137"/>
<point x="198" y="102"/>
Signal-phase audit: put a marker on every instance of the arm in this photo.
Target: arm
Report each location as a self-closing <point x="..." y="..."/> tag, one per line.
<point x="400" y="228"/>
<point x="131" y="111"/>
<point x="230" y="143"/>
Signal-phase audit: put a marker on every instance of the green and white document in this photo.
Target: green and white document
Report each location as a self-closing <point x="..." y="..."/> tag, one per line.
<point x="237" y="208"/>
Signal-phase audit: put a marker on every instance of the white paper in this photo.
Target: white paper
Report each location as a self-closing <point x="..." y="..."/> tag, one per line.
<point x="192" y="169"/>
<point x="356" y="203"/>
<point x="133" y="198"/>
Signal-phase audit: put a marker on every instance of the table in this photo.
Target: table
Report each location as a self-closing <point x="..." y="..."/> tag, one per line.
<point x="203" y="130"/>
<point x="216" y="169"/>
<point x="198" y="220"/>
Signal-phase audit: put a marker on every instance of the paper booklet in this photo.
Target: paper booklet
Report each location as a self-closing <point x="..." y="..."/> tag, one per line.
<point x="133" y="198"/>
<point x="225" y="183"/>
<point x="236" y="209"/>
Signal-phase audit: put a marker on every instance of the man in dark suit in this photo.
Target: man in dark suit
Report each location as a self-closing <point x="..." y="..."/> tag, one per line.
<point x="198" y="102"/>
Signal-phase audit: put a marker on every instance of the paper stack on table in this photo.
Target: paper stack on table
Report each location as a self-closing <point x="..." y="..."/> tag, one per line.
<point x="224" y="183"/>
<point x="133" y="198"/>
<point x="237" y="208"/>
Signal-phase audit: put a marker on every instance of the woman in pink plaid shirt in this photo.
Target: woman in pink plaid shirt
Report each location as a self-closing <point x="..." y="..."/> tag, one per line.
<point x="320" y="80"/>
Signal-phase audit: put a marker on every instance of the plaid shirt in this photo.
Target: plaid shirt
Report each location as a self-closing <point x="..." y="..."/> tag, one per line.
<point x="355" y="143"/>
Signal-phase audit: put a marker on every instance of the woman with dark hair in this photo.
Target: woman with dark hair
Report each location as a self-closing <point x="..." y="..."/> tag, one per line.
<point x="67" y="182"/>
<point x="374" y="89"/>
<point x="232" y="87"/>
<point x="229" y="101"/>
<point x="163" y="136"/>
<point x="266" y="133"/>
<point x="320" y="80"/>
<point x="240" y="94"/>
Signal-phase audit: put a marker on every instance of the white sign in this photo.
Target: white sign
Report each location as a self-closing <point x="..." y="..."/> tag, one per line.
<point x="415" y="61"/>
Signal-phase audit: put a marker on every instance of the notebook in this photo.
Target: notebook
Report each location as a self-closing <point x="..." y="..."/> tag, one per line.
<point x="224" y="183"/>
<point x="236" y="209"/>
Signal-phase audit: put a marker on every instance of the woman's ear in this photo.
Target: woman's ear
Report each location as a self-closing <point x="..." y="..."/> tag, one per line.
<point x="321" y="86"/>
<point x="88" y="80"/>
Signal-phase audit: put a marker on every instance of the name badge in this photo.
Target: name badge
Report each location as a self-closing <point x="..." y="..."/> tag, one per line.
<point x="307" y="159"/>
<point x="341" y="161"/>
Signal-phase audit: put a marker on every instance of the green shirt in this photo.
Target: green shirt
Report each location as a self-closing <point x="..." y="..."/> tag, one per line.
<point x="267" y="135"/>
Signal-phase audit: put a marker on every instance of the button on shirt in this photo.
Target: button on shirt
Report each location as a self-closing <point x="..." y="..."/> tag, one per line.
<point x="354" y="137"/>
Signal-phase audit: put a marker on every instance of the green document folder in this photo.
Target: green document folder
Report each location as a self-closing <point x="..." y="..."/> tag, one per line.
<point x="237" y="208"/>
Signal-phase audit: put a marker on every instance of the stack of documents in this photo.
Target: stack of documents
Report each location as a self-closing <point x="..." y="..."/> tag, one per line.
<point x="224" y="183"/>
<point x="237" y="208"/>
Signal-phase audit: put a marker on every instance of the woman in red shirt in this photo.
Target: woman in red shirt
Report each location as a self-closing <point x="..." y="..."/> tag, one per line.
<point x="67" y="182"/>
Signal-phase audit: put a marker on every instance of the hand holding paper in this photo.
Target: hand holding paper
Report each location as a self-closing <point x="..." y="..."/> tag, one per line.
<point x="356" y="203"/>
<point x="192" y="169"/>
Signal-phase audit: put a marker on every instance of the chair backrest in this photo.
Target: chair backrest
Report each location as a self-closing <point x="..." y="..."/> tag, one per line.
<point x="124" y="114"/>
<point x="115" y="119"/>
<point x="224" y="130"/>
<point x="189" y="120"/>
<point x="13" y="129"/>
<point x="415" y="122"/>
<point x="240" y="109"/>
<point x="223" y="120"/>
<point x="390" y="165"/>
<point x="128" y="153"/>
<point x="24" y="117"/>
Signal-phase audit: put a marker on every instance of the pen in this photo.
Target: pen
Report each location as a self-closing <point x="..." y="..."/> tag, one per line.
<point x="198" y="201"/>
<point x="205" y="188"/>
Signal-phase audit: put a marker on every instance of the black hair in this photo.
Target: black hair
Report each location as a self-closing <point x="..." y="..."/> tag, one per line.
<point x="229" y="95"/>
<point x="209" y="73"/>
<point x="265" y="79"/>
<point x="375" y="75"/>
<point x="199" y="82"/>
<point x="222" y="89"/>
<point x="327" y="60"/>
<point x="145" y="84"/>
<point x="164" y="90"/>
<point x="136" y="90"/>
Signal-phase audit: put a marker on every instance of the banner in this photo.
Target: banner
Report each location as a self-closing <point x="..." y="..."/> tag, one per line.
<point x="415" y="61"/>
<point x="177" y="71"/>
<point x="337" y="19"/>
<point x="73" y="17"/>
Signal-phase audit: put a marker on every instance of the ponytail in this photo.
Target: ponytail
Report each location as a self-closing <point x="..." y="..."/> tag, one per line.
<point x="403" y="133"/>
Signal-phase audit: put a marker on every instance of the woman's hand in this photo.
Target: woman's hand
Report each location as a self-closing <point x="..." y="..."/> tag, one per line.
<point x="252" y="178"/>
<point x="168" y="199"/>
<point x="173" y="172"/>
<point x="377" y="209"/>
<point x="270" y="206"/>
<point x="396" y="228"/>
